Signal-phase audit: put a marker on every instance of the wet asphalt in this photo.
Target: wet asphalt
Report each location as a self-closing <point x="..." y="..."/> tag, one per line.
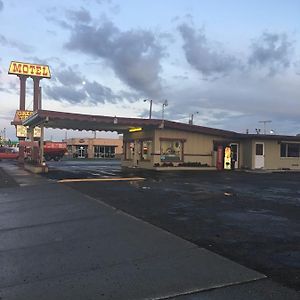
<point x="251" y="218"/>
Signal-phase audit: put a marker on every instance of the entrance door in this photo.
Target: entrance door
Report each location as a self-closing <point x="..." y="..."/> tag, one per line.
<point x="81" y="151"/>
<point x="259" y="156"/>
<point x="235" y="154"/>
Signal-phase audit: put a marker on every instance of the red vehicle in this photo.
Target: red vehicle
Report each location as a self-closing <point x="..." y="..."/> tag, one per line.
<point x="8" y="153"/>
<point x="52" y="150"/>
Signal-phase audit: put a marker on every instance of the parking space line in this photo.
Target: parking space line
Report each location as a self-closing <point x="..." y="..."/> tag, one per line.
<point x="101" y="179"/>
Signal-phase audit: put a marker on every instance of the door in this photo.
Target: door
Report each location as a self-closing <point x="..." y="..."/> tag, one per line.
<point x="81" y="151"/>
<point x="235" y="155"/>
<point x="259" y="156"/>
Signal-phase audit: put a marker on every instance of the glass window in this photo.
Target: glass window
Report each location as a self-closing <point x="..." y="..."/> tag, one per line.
<point x="171" y="150"/>
<point x="283" y="150"/>
<point x="293" y="150"/>
<point x="259" y="149"/>
<point x="289" y="150"/>
<point x="147" y="149"/>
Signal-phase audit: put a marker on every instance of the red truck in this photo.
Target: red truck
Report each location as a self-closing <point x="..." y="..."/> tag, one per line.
<point x="52" y="150"/>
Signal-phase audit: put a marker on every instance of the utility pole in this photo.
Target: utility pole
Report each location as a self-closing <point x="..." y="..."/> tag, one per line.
<point x="265" y="122"/>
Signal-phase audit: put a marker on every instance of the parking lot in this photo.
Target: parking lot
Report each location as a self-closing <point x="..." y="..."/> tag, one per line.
<point x="251" y="218"/>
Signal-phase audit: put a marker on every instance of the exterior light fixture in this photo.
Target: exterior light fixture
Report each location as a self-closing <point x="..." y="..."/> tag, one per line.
<point x="135" y="129"/>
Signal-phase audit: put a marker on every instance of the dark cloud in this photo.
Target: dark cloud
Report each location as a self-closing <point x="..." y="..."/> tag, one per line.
<point x="68" y="77"/>
<point x="65" y="93"/>
<point x="81" y="15"/>
<point x="1" y="5"/>
<point x="69" y="85"/>
<point x="100" y="93"/>
<point x="14" y="44"/>
<point x="201" y="55"/>
<point x="134" y="55"/>
<point x="271" y="51"/>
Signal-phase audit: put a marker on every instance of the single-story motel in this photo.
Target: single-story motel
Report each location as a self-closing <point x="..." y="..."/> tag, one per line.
<point x="162" y="144"/>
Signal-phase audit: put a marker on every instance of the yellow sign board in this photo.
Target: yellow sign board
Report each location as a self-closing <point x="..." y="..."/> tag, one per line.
<point x="37" y="132"/>
<point x="24" y="114"/>
<point x="21" y="131"/>
<point x="21" y="68"/>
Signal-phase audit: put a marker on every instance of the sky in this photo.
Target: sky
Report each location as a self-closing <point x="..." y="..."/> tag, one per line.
<point x="232" y="64"/>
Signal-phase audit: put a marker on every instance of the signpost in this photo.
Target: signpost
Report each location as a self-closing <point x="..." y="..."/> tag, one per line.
<point x="37" y="72"/>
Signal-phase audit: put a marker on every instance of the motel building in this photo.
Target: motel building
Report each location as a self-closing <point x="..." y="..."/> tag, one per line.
<point x="167" y="145"/>
<point x="149" y="143"/>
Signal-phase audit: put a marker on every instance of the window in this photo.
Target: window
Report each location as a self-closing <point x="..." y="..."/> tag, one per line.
<point x="146" y="150"/>
<point x="104" y="151"/>
<point x="129" y="150"/>
<point x="171" y="150"/>
<point x="259" y="149"/>
<point x="283" y="150"/>
<point x="289" y="150"/>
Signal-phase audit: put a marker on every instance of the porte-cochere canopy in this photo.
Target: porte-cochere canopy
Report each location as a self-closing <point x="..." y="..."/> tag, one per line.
<point x="63" y="120"/>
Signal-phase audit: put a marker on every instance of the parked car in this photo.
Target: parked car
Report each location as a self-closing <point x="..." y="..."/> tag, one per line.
<point x="8" y="153"/>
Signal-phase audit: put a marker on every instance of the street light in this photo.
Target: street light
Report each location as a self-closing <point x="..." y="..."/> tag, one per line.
<point x="163" y="109"/>
<point x="191" y="121"/>
<point x="150" y="111"/>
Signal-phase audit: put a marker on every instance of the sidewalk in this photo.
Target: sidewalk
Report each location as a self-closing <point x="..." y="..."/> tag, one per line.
<point x="56" y="243"/>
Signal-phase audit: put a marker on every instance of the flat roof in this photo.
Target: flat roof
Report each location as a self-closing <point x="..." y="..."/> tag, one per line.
<point x="75" y="121"/>
<point x="63" y="120"/>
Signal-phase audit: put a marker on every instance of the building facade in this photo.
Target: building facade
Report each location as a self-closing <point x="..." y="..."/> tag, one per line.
<point x="161" y="144"/>
<point x="95" y="148"/>
<point x="186" y="149"/>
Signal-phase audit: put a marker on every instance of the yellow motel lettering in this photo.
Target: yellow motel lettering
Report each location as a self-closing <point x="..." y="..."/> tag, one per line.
<point x="20" y="68"/>
<point x="24" y="114"/>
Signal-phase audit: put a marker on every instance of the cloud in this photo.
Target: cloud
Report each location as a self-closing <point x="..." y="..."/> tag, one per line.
<point x="100" y="93"/>
<point x="69" y="85"/>
<point x="134" y="55"/>
<point x="203" y="56"/>
<point x="271" y="51"/>
<point x="14" y="44"/>
<point x="81" y="15"/>
<point x="65" y="93"/>
<point x="69" y="77"/>
<point x="297" y="67"/>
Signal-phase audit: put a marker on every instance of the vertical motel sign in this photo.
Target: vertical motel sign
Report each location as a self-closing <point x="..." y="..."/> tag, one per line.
<point x="23" y="71"/>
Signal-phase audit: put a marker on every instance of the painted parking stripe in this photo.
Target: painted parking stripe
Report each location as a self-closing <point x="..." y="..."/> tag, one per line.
<point x="102" y="179"/>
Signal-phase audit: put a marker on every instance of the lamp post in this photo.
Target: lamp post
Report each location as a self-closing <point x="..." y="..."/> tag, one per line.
<point x="191" y="121"/>
<point x="163" y="109"/>
<point x="150" y="111"/>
